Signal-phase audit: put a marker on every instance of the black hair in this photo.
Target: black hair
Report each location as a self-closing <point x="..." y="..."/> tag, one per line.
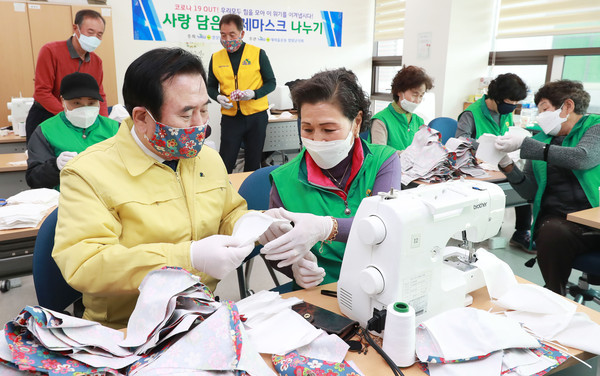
<point x="507" y="86"/>
<point x="558" y="92"/>
<point x="339" y="87"/>
<point x="410" y="77"/>
<point x="232" y="18"/>
<point x="89" y="13"/>
<point x="142" y="85"/>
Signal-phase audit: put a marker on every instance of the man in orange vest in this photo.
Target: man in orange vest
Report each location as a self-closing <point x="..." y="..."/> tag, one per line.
<point x="239" y="78"/>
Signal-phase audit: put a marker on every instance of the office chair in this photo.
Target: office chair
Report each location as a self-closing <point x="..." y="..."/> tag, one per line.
<point x="51" y="289"/>
<point x="446" y="126"/>
<point x="589" y="265"/>
<point x="255" y="190"/>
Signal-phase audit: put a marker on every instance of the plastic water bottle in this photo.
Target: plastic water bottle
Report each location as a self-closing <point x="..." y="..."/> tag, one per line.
<point x="528" y="111"/>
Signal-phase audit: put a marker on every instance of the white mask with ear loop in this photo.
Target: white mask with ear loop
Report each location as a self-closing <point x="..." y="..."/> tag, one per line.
<point x="551" y="122"/>
<point x="327" y="154"/>
<point x="408" y="106"/>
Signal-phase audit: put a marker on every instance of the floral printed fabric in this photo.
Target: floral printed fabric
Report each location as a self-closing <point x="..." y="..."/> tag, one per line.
<point x="544" y="350"/>
<point x="29" y="355"/>
<point x="293" y="364"/>
<point x="185" y="329"/>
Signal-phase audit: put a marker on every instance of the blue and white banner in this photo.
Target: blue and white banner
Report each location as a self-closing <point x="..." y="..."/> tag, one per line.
<point x="198" y="21"/>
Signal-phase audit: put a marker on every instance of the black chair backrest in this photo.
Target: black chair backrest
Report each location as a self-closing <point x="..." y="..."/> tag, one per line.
<point x="51" y="289"/>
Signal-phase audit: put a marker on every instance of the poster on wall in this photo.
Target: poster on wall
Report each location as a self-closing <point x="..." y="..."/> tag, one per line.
<point x="198" y="21"/>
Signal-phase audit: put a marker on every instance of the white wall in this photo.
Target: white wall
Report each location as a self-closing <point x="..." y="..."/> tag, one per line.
<point x="289" y="62"/>
<point x="460" y="43"/>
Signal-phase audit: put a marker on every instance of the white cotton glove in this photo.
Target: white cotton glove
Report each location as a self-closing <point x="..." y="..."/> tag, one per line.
<point x="307" y="272"/>
<point x="247" y="95"/>
<point x="224" y="102"/>
<point x="217" y="255"/>
<point x="505" y="161"/>
<point x="294" y="244"/>
<point x="509" y="142"/>
<point x="64" y="157"/>
<point x="275" y="230"/>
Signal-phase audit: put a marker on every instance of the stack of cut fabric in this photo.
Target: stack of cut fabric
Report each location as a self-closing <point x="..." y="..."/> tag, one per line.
<point x="27" y="208"/>
<point x="426" y="159"/>
<point x="176" y="324"/>
<point x="465" y="157"/>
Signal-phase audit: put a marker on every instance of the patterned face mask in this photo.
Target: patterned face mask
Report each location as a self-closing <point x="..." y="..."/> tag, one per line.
<point x="177" y="143"/>
<point x="231" y="45"/>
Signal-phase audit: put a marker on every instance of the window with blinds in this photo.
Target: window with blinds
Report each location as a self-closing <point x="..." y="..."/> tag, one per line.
<point x="389" y="19"/>
<point x="525" y="18"/>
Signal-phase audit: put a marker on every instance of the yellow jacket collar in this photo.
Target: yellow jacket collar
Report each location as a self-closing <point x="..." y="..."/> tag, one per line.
<point x="134" y="158"/>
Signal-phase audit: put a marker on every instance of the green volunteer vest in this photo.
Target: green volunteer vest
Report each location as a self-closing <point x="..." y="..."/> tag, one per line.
<point x="300" y="196"/>
<point x="400" y="131"/>
<point x="484" y="123"/>
<point x="589" y="179"/>
<point x="64" y="136"/>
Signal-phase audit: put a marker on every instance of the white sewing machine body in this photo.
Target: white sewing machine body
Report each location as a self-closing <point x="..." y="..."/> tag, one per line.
<point x="396" y="248"/>
<point x="19" y="108"/>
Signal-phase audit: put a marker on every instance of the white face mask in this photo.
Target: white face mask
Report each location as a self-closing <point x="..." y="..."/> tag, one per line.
<point x="550" y="121"/>
<point x="408" y="106"/>
<point x="328" y="154"/>
<point x="83" y="117"/>
<point x="89" y="44"/>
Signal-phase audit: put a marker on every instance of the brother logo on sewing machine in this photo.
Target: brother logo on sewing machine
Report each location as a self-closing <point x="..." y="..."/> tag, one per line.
<point x="479" y="206"/>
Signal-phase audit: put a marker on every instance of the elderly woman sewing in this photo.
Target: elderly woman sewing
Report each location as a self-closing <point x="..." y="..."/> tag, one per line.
<point x="562" y="175"/>
<point x="397" y="124"/>
<point x="321" y="189"/>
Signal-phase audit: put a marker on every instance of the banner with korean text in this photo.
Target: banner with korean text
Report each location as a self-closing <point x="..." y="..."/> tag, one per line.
<point x="198" y="21"/>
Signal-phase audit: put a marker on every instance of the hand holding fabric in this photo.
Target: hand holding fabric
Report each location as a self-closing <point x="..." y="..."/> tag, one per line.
<point x="509" y="142"/>
<point x="246" y="95"/>
<point x="224" y="102"/>
<point x="307" y="272"/>
<point x="64" y="157"/>
<point x="217" y="255"/>
<point x="275" y="230"/>
<point x="293" y="245"/>
<point x="505" y="161"/>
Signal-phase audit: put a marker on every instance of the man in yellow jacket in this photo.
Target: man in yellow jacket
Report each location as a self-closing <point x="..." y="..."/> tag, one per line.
<point x="149" y="197"/>
<point x="239" y="78"/>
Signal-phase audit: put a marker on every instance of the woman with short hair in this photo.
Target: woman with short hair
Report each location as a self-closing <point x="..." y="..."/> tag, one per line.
<point x="397" y="124"/>
<point x="561" y="175"/>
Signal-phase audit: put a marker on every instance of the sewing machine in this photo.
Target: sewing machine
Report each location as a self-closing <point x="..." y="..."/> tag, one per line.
<point x="397" y="248"/>
<point x="19" y="108"/>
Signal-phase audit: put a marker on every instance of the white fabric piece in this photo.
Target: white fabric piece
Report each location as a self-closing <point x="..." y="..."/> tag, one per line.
<point x="532" y="298"/>
<point x="327" y="347"/>
<point x="490" y="366"/>
<point x="540" y="364"/>
<point x="499" y="277"/>
<point x="22" y="215"/>
<point x="261" y="306"/>
<point x="355" y="367"/>
<point x="487" y="151"/>
<point x="464" y="333"/>
<point x="545" y="326"/>
<point x="252" y="225"/>
<point x="118" y="113"/>
<point x="518" y="357"/>
<point x="44" y="196"/>
<point x="581" y="333"/>
<point x="282" y="333"/>
<point x="7" y="371"/>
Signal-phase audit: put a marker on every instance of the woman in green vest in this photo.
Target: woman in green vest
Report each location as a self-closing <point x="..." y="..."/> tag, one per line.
<point x="397" y="124"/>
<point x="60" y="138"/>
<point x="493" y="114"/>
<point x="562" y="175"/>
<point x="321" y="189"/>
